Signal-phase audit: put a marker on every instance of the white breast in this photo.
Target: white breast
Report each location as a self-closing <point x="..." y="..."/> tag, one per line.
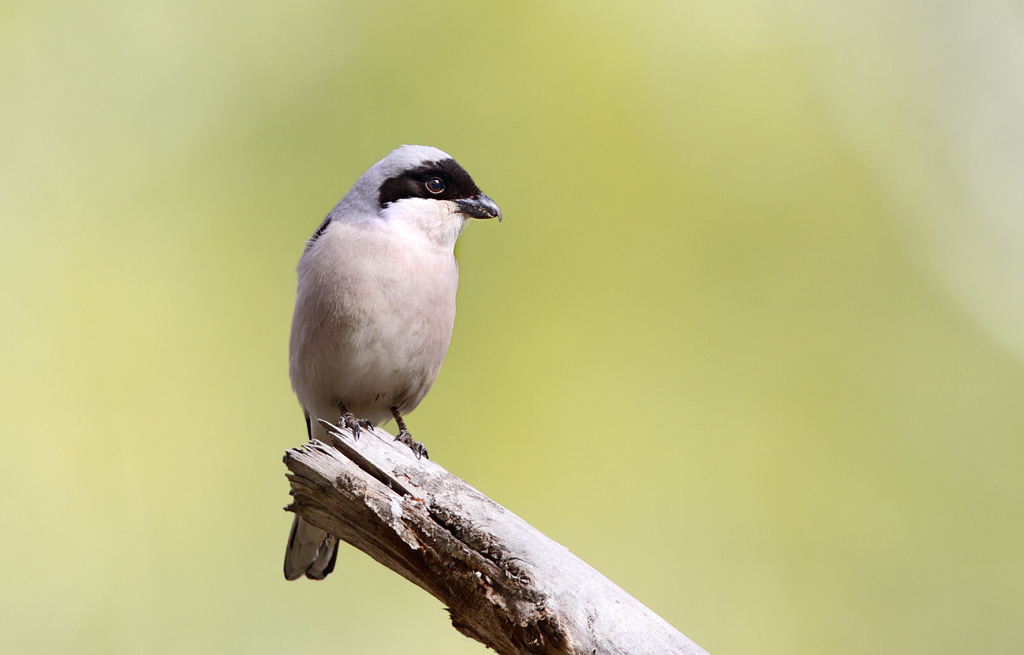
<point x="374" y="312"/>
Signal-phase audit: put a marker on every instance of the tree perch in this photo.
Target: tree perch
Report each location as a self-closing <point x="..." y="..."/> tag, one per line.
<point x="504" y="583"/>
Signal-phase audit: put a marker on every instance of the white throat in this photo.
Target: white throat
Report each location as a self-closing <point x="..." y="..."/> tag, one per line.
<point x="436" y="220"/>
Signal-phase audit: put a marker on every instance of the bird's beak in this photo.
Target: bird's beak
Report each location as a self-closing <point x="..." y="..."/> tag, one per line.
<point x="479" y="206"/>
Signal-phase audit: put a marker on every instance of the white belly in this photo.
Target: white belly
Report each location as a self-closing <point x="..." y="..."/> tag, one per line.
<point x="373" y="319"/>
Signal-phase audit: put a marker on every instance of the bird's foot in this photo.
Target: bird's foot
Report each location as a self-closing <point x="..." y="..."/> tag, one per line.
<point x="349" y="420"/>
<point x="416" y="447"/>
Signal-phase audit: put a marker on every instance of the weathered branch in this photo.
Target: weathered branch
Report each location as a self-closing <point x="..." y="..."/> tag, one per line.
<point x="505" y="584"/>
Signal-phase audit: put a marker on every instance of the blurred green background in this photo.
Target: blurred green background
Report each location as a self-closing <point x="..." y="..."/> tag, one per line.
<point x="750" y="340"/>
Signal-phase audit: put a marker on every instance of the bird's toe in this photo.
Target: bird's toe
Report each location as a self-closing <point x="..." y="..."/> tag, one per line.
<point x="417" y="448"/>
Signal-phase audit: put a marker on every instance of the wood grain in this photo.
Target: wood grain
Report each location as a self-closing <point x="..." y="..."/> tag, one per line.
<point x="504" y="583"/>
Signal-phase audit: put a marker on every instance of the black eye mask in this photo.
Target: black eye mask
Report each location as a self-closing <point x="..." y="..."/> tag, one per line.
<point x="413" y="183"/>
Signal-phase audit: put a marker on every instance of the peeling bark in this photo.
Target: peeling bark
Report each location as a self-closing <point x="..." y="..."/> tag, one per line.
<point x="504" y="583"/>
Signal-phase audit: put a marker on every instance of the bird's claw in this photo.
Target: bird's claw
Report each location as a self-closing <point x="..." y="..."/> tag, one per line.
<point x="349" y="420"/>
<point x="417" y="448"/>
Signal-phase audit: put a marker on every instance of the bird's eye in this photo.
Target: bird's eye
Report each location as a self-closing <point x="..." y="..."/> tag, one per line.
<point x="434" y="185"/>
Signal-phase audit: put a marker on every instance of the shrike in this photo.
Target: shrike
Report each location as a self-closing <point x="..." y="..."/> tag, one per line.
<point x="375" y="308"/>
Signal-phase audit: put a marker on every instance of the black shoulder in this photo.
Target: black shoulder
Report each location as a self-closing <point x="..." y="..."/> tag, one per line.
<point x="319" y="232"/>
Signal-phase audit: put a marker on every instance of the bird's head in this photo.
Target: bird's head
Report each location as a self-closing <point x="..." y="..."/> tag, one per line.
<point x="419" y="186"/>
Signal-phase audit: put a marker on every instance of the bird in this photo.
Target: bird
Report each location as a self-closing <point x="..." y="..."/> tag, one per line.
<point x="375" y="308"/>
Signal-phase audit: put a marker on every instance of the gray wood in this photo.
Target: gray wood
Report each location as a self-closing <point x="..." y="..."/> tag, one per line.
<point x="504" y="583"/>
